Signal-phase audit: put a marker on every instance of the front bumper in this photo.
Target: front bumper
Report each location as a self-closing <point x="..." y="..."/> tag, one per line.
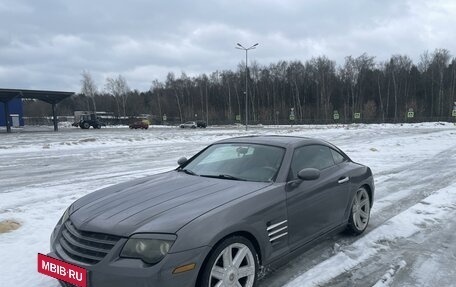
<point x="133" y="272"/>
<point x="113" y="271"/>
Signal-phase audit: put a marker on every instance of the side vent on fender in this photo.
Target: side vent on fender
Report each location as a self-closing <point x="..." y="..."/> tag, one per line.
<point x="277" y="230"/>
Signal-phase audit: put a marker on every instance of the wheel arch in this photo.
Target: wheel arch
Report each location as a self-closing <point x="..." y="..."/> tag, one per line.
<point x="369" y="191"/>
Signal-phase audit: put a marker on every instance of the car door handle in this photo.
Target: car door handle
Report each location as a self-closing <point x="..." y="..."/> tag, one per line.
<point x="343" y="179"/>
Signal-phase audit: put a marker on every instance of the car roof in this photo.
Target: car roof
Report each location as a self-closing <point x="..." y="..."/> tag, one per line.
<point x="276" y="140"/>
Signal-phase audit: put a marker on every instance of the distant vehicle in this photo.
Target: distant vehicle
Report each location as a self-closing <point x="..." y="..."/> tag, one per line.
<point x="201" y="124"/>
<point x="85" y="121"/>
<point x="191" y="125"/>
<point x="235" y="208"/>
<point x="144" y="124"/>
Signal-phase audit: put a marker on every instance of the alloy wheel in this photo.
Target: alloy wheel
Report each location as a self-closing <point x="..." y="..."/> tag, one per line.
<point x="234" y="266"/>
<point x="361" y="209"/>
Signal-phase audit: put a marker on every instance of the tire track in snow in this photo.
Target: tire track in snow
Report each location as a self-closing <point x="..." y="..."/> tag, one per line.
<point x="409" y="222"/>
<point x="388" y="277"/>
<point x="430" y="255"/>
<point x="415" y="182"/>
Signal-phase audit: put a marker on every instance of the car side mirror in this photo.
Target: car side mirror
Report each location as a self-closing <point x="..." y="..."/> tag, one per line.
<point x="309" y="174"/>
<point x="182" y="161"/>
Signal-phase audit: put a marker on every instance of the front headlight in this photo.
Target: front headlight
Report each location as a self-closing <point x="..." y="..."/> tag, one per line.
<point x="150" y="248"/>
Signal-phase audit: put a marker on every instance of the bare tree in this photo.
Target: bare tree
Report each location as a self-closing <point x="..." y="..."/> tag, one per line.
<point x="423" y="67"/>
<point x="323" y="70"/>
<point x="118" y="87"/>
<point x="354" y="74"/>
<point x="157" y="87"/>
<point x="453" y="81"/>
<point x="89" y="88"/>
<point x="440" y="61"/>
<point x="173" y="85"/>
<point x="349" y="75"/>
<point x="381" y="71"/>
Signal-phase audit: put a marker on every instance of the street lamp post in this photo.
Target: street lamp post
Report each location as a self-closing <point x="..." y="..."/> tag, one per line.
<point x="240" y="47"/>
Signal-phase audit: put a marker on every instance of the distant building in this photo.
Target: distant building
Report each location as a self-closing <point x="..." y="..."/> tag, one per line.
<point x="16" y="113"/>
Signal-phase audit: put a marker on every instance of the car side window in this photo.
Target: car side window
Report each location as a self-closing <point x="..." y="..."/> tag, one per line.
<point x="338" y="158"/>
<point x="312" y="156"/>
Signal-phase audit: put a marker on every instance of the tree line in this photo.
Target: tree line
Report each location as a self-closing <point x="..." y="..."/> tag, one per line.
<point x="379" y="91"/>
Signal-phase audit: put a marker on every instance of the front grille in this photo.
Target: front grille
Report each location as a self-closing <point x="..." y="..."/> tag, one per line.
<point x="84" y="246"/>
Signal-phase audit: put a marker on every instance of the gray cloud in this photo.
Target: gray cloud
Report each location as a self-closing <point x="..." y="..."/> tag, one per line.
<point x="46" y="44"/>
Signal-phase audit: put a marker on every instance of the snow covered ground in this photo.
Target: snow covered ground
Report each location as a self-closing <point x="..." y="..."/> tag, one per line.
<point x="411" y="239"/>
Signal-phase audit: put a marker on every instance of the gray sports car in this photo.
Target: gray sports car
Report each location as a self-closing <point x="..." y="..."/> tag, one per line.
<point x="238" y="205"/>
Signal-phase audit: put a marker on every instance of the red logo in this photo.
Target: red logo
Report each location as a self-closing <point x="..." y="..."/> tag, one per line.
<point x="61" y="270"/>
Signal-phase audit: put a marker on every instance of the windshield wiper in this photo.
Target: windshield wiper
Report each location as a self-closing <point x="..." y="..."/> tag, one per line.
<point x="187" y="171"/>
<point x="223" y="176"/>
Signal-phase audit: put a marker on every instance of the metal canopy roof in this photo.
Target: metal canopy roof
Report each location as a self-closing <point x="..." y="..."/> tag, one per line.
<point x="51" y="97"/>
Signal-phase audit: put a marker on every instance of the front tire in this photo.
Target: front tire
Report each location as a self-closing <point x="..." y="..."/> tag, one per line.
<point x="360" y="212"/>
<point x="233" y="262"/>
<point x="85" y="125"/>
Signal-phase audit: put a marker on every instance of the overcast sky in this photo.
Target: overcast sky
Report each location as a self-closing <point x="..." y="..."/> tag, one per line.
<point x="46" y="44"/>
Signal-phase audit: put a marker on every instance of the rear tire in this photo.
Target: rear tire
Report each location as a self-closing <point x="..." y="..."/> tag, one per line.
<point x="359" y="212"/>
<point x="234" y="260"/>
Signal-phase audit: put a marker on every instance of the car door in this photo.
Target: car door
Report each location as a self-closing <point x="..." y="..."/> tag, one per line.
<point x="315" y="206"/>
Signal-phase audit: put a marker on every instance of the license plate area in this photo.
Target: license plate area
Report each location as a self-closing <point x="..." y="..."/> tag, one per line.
<point x="63" y="271"/>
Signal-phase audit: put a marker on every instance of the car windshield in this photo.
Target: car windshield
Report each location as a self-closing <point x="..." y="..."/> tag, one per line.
<point x="236" y="161"/>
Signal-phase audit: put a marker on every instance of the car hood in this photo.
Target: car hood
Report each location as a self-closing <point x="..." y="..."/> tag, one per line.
<point x="162" y="203"/>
